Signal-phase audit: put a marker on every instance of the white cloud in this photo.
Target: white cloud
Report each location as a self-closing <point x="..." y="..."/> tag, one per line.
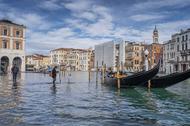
<point x="86" y="15"/>
<point x="146" y="17"/>
<point x="78" y="5"/>
<point x="152" y="5"/>
<point x="50" y="5"/>
<point x="32" y="21"/>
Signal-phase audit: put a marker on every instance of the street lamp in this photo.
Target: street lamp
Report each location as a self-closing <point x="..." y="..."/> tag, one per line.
<point x="146" y="59"/>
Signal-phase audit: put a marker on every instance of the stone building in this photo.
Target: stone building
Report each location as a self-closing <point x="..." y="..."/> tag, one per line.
<point x="176" y="52"/>
<point x="12" y="46"/>
<point x="134" y="60"/>
<point x="71" y="59"/>
<point x="37" y="62"/>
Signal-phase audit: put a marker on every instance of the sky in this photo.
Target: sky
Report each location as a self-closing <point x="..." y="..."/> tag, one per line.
<point x="84" y="23"/>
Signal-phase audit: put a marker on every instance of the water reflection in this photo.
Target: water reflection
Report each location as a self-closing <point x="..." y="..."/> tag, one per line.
<point x="36" y="101"/>
<point x="53" y="89"/>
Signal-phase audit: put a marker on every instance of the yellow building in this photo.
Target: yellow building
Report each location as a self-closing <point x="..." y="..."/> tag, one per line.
<point x="134" y="56"/>
<point x="12" y="46"/>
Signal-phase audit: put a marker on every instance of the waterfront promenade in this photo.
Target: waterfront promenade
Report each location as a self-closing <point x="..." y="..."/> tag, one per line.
<point x="34" y="101"/>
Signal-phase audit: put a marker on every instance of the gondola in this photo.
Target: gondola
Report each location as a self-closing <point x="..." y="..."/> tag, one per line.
<point x="168" y="80"/>
<point x="135" y="79"/>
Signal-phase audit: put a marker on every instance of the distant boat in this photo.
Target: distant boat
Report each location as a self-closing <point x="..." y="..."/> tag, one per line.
<point x="135" y="79"/>
<point x="168" y="80"/>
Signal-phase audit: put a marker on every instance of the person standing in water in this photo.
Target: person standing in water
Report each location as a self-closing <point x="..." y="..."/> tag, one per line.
<point x="54" y="74"/>
<point x="14" y="71"/>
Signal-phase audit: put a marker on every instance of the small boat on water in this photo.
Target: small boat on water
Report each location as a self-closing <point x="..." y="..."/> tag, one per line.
<point x="134" y="79"/>
<point x="168" y="80"/>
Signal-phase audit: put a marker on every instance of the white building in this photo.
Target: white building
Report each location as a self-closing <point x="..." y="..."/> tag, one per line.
<point x="110" y="53"/>
<point x="71" y="59"/>
<point x="176" y="52"/>
<point x="12" y="46"/>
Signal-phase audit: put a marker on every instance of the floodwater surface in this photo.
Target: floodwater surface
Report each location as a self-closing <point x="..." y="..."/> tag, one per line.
<point x="75" y="101"/>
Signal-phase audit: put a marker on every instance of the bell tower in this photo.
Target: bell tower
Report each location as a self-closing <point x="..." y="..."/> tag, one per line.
<point x="155" y="35"/>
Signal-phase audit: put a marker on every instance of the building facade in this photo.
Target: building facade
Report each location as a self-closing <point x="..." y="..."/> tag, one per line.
<point x="71" y="59"/>
<point x="110" y="53"/>
<point x="155" y="50"/>
<point x="176" y="54"/>
<point x="37" y="62"/>
<point x="12" y="46"/>
<point x="134" y="60"/>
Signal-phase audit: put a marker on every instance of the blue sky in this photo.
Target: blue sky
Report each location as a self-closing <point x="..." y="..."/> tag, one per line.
<point x="84" y="23"/>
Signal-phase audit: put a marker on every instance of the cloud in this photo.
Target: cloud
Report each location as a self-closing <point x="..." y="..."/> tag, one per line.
<point x="86" y="15"/>
<point x="50" y="5"/>
<point x="63" y="37"/>
<point x="31" y="20"/>
<point x="152" y="5"/>
<point x="146" y="17"/>
<point x="78" y="5"/>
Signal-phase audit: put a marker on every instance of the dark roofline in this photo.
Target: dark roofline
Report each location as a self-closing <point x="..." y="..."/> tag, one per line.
<point x="66" y="49"/>
<point x="10" y="22"/>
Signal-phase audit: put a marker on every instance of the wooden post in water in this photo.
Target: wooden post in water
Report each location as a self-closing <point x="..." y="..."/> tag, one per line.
<point x="89" y="74"/>
<point x="149" y="84"/>
<point x="118" y="78"/>
<point x="102" y="72"/>
<point x="96" y="71"/>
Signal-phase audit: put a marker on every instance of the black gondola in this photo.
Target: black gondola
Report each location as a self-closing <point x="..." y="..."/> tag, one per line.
<point x="135" y="79"/>
<point x="168" y="80"/>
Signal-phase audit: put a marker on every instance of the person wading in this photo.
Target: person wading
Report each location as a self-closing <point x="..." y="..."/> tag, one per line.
<point x="54" y="74"/>
<point x="14" y="71"/>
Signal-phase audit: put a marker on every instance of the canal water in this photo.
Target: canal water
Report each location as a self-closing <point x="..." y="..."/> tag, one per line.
<point x="76" y="102"/>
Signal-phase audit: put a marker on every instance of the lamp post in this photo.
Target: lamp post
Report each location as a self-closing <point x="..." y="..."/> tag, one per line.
<point x="146" y="59"/>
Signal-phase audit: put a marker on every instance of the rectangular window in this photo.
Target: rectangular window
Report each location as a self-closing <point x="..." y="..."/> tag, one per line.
<point x="178" y="48"/>
<point x="178" y="39"/>
<point x="186" y="37"/>
<point x="4" y="44"/>
<point x="182" y="38"/>
<point x="17" y="45"/>
<point x="17" y="33"/>
<point x="186" y="46"/>
<point x="5" y="32"/>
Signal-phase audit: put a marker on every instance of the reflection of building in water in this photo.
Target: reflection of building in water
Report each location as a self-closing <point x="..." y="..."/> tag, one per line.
<point x="12" y="45"/>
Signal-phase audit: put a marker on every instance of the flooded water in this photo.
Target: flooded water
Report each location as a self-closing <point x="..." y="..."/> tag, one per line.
<point x="34" y="101"/>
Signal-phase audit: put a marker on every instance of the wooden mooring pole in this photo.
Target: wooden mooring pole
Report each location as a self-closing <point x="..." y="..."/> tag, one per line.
<point x="89" y="74"/>
<point x="105" y="73"/>
<point x="102" y="73"/>
<point x="97" y="72"/>
<point x="118" y="78"/>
